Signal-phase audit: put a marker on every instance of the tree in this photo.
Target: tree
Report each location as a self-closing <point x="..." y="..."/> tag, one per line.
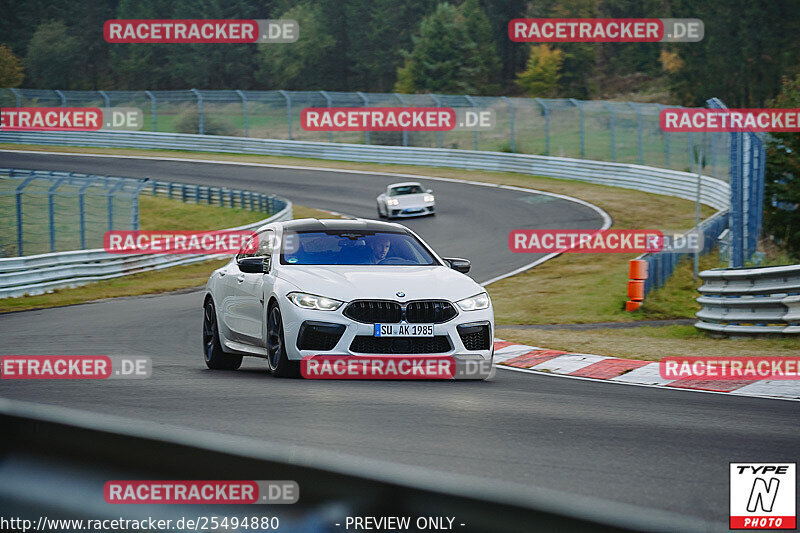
<point x="541" y="75"/>
<point x="484" y="59"/>
<point x="446" y="57"/>
<point x="53" y="57"/>
<point x="305" y="64"/>
<point x="782" y="180"/>
<point x="10" y="68"/>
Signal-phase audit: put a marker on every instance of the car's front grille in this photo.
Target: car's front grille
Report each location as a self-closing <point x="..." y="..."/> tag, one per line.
<point x="475" y="337"/>
<point x="389" y="312"/>
<point x="400" y="345"/>
<point x="429" y="312"/>
<point x="374" y="311"/>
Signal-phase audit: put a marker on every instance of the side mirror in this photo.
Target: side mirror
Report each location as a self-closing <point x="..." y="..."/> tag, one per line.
<point x="458" y="264"/>
<point x="254" y="265"/>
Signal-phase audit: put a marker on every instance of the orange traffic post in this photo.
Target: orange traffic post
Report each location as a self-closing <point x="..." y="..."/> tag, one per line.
<point x="637" y="273"/>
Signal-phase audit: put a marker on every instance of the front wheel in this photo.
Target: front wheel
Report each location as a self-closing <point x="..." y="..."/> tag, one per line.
<point x="277" y="360"/>
<point x="216" y="358"/>
<point x="380" y="215"/>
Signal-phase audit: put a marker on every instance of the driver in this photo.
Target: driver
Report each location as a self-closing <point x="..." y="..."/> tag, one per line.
<point x="379" y="248"/>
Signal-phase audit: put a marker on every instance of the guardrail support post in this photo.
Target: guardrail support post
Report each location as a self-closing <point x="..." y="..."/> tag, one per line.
<point x="366" y="104"/>
<point x="106" y="99"/>
<point x="439" y="136"/>
<point x="330" y="104"/>
<point x="110" y="195"/>
<point x="512" y="142"/>
<point x="244" y="113"/>
<point x="288" y="111"/>
<point x="153" y="110"/>
<point x="405" y="132"/>
<point x="200" y="114"/>
<point x="63" y="98"/>
<point x="546" y="111"/>
<point x="577" y="104"/>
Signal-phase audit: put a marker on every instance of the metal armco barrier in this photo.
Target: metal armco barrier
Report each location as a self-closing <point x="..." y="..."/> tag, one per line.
<point x="750" y="301"/>
<point x="66" y="480"/>
<point x="715" y="192"/>
<point x="36" y="274"/>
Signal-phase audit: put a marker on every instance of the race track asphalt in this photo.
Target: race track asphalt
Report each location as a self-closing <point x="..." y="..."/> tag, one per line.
<point x="657" y="448"/>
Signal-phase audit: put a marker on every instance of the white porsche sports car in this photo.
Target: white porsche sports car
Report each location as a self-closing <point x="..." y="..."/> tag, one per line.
<point x="343" y="287"/>
<point x="406" y="199"/>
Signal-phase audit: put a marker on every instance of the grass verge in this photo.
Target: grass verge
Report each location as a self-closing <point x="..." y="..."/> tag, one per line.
<point x="156" y="214"/>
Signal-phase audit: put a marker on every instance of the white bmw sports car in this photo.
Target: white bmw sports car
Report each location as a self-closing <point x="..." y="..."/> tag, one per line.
<point x="343" y="287"/>
<point x="407" y="199"/>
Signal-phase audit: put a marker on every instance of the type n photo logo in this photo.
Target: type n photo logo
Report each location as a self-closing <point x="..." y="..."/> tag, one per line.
<point x="763" y="495"/>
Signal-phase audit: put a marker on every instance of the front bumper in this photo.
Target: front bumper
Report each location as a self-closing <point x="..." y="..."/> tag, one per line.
<point x="358" y="338"/>
<point x="412" y="211"/>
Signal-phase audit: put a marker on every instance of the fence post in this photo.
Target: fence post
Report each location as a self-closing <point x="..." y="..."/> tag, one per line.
<point x="82" y="209"/>
<point x="611" y="124"/>
<point x="366" y="104"/>
<point x="63" y="98"/>
<point x="512" y="142"/>
<point x="577" y="104"/>
<point x="638" y="131"/>
<point x="244" y="113"/>
<point x="666" y="142"/>
<point x="51" y="215"/>
<point x="153" y="110"/>
<point x="18" y="192"/>
<point x="475" y="131"/>
<point x="439" y="136"/>
<point x="201" y="127"/>
<point x="106" y="99"/>
<point x="330" y="104"/>
<point x="18" y="96"/>
<point x="546" y="111"/>
<point x="135" y="205"/>
<point x="110" y="195"/>
<point x="288" y="111"/>
<point x="405" y="132"/>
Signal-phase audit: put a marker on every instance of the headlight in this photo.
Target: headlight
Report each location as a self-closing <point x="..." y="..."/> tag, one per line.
<point x="474" y="303"/>
<point x="428" y="198"/>
<point x="311" y="301"/>
<point x="392" y="201"/>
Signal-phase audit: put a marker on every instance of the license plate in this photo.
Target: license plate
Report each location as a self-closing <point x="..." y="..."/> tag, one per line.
<point x="404" y="330"/>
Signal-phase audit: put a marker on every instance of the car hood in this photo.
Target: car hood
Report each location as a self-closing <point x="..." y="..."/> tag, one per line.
<point x="357" y="282"/>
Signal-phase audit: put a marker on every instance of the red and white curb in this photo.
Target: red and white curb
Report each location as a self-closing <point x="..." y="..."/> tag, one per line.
<point x="512" y="356"/>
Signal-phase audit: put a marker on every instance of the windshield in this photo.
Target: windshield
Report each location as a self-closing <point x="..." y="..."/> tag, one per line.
<point x="353" y="248"/>
<point x="406" y="189"/>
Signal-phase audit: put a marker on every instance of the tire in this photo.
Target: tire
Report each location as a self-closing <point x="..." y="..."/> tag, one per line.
<point x="277" y="360"/>
<point x="380" y="215"/>
<point x="215" y="357"/>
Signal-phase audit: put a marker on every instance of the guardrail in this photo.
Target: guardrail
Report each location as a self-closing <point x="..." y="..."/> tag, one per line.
<point x="715" y="192"/>
<point x="37" y="274"/>
<point x="38" y="479"/>
<point x="750" y="301"/>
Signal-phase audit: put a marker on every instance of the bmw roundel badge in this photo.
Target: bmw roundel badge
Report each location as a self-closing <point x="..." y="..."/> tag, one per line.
<point x="400" y="294"/>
